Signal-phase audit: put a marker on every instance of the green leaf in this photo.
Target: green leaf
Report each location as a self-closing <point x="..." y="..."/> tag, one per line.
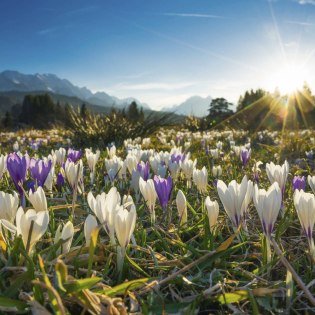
<point x="11" y="305"/>
<point x="79" y="285"/>
<point x="126" y="286"/>
<point x="233" y="297"/>
<point x="136" y="266"/>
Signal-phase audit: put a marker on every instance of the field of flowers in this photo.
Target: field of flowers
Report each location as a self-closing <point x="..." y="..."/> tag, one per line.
<point x="178" y="223"/>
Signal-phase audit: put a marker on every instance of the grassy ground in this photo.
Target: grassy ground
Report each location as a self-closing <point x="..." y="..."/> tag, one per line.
<point x="168" y="269"/>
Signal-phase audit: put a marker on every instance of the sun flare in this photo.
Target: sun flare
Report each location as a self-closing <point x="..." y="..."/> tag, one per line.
<point x="289" y="78"/>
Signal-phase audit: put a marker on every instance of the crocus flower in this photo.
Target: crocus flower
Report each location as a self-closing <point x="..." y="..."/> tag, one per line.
<point x="17" y="167"/>
<point x="309" y="154"/>
<point x="125" y="222"/>
<point x="299" y="183"/>
<point x="188" y="167"/>
<point x="74" y="155"/>
<point x="144" y="170"/>
<point x="74" y="174"/>
<point x="92" y="159"/>
<point x="89" y="225"/>
<point x="256" y="171"/>
<point x="38" y="199"/>
<point x="278" y="173"/>
<point x="3" y="164"/>
<point x="64" y="234"/>
<point x="235" y="198"/>
<point x="245" y="155"/>
<point x="213" y="212"/>
<point x="176" y="158"/>
<point x="60" y="155"/>
<point x="60" y="180"/>
<point x="149" y="194"/>
<point x="23" y="222"/>
<point x="305" y="207"/>
<point x="216" y="171"/>
<point x="163" y="188"/>
<point x="39" y="170"/>
<point x="200" y="178"/>
<point x="311" y="182"/>
<point x="9" y="205"/>
<point x="181" y="204"/>
<point x="268" y="204"/>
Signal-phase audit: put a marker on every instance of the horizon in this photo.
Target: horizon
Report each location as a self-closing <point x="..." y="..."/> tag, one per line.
<point x="163" y="53"/>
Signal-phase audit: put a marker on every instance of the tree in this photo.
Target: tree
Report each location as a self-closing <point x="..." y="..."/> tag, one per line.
<point x="83" y="111"/>
<point x="7" y="121"/>
<point x="133" y="112"/>
<point x="219" y="110"/>
<point x="251" y="97"/>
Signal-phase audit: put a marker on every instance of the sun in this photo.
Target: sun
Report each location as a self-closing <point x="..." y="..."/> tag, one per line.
<point x="289" y="78"/>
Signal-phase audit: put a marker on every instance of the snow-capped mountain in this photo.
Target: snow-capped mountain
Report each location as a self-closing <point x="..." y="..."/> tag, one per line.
<point x="195" y="105"/>
<point x="16" y="81"/>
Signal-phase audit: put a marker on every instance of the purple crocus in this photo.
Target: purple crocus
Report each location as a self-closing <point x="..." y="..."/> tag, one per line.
<point x="299" y="183"/>
<point x="245" y="155"/>
<point x="60" y="180"/>
<point x="144" y="170"/>
<point x="176" y="158"/>
<point x="17" y="167"/>
<point x="39" y="170"/>
<point x="74" y="155"/>
<point x="163" y="188"/>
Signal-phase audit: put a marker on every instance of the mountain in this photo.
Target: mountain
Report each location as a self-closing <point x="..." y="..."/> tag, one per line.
<point x="195" y="105"/>
<point x="19" y="82"/>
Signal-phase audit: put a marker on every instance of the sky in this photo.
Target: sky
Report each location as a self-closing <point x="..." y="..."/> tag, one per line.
<point x="162" y="52"/>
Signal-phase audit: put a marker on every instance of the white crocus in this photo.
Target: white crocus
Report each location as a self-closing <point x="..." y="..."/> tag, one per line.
<point x="74" y="174"/>
<point x="8" y="205"/>
<point x="31" y="225"/>
<point x="149" y="194"/>
<point x="181" y="204"/>
<point x="268" y="204"/>
<point x="65" y="235"/>
<point x="200" y="178"/>
<point x="174" y="168"/>
<point x="3" y="164"/>
<point x="216" y="171"/>
<point x="213" y="212"/>
<point x="125" y="222"/>
<point x="188" y="167"/>
<point x="311" y="182"/>
<point x="278" y="173"/>
<point x="305" y="207"/>
<point x="38" y="199"/>
<point x="131" y="162"/>
<point x="60" y="155"/>
<point x="92" y="159"/>
<point x="105" y="207"/>
<point x="235" y="198"/>
<point x="89" y="225"/>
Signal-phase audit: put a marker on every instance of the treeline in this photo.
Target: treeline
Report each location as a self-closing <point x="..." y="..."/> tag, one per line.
<point x="260" y="109"/>
<point x="40" y="112"/>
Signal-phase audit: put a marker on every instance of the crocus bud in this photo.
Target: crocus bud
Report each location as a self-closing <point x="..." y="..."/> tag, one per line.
<point x="278" y="173"/>
<point x="74" y="155"/>
<point x="216" y="171"/>
<point x="200" y="178"/>
<point x="245" y="155"/>
<point x="305" y="207"/>
<point x="8" y="205"/>
<point x="3" y="164"/>
<point x="92" y="159"/>
<point x="311" y="182"/>
<point x="163" y="188"/>
<point x="268" y="204"/>
<point x="89" y="225"/>
<point x="65" y="235"/>
<point x="74" y="174"/>
<point x="299" y="183"/>
<point x="181" y="204"/>
<point x="213" y="212"/>
<point x="188" y="167"/>
<point x="38" y="199"/>
<point x="149" y="194"/>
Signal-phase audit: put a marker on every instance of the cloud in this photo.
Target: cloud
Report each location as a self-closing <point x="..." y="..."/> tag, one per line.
<point x="305" y="2"/>
<point x="301" y="23"/>
<point x="195" y="15"/>
<point x="47" y="31"/>
<point x="149" y="86"/>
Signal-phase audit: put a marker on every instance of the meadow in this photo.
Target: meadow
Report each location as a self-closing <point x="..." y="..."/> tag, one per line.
<point x="179" y="222"/>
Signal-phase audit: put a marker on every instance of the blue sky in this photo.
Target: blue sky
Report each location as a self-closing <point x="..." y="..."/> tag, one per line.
<point x="160" y="52"/>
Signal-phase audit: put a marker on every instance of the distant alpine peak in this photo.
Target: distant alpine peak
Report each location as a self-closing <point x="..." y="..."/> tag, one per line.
<point x="12" y="80"/>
